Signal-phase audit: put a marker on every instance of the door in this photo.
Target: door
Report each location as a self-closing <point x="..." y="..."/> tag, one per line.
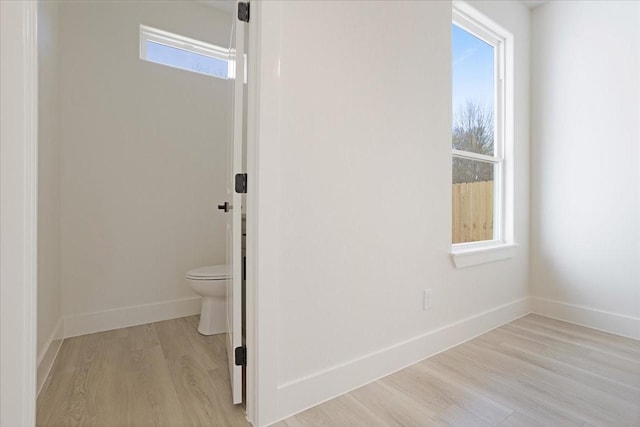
<point x="234" y="217"/>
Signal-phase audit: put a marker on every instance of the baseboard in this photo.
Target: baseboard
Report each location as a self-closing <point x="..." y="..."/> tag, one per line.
<point x="48" y="355"/>
<point x="303" y="393"/>
<point x="606" y="321"/>
<point x="88" y="323"/>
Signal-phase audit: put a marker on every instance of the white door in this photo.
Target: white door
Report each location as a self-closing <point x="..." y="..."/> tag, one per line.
<point x="234" y="216"/>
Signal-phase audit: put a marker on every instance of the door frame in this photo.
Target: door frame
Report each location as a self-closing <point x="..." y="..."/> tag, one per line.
<point x="19" y="177"/>
<point x="19" y="217"/>
<point x="263" y="220"/>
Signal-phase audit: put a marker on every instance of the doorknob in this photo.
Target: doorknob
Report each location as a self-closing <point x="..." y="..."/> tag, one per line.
<point x="226" y="207"/>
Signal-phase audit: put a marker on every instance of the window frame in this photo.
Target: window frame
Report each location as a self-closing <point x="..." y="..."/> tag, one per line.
<point x="187" y="44"/>
<point x="477" y="24"/>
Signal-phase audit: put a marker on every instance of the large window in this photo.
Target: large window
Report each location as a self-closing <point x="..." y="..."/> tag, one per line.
<point x="479" y="126"/>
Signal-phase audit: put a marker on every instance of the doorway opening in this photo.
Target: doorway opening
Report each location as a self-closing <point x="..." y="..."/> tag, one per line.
<point x="134" y="158"/>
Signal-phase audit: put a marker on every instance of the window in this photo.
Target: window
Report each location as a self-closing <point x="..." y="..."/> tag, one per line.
<point x="181" y="52"/>
<point x="481" y="126"/>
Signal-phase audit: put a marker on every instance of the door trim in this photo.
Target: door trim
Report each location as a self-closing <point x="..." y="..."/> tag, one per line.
<point x="19" y="219"/>
<point x="263" y="224"/>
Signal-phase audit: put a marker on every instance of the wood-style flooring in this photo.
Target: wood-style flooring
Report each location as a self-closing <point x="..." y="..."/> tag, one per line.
<point x="534" y="371"/>
<point x="160" y="374"/>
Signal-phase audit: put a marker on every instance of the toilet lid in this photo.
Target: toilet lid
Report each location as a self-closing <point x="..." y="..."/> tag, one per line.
<point x="212" y="272"/>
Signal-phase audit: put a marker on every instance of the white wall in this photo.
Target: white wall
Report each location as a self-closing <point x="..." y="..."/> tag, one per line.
<point x="143" y="158"/>
<point x="585" y="157"/>
<point x="362" y="182"/>
<point x="18" y="212"/>
<point x="49" y="292"/>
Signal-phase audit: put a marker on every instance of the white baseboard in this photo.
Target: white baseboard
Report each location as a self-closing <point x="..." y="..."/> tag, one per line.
<point x="303" y="393"/>
<point x="48" y="355"/>
<point x="88" y="323"/>
<point x="614" y="323"/>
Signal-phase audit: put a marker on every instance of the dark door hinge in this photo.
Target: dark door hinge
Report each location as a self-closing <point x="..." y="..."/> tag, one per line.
<point x="243" y="11"/>
<point x="241" y="183"/>
<point x="241" y="356"/>
<point x="244" y="268"/>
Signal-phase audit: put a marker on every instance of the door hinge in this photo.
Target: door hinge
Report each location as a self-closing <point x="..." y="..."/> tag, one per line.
<point x="241" y="356"/>
<point x="244" y="268"/>
<point x="241" y="183"/>
<point x="243" y="11"/>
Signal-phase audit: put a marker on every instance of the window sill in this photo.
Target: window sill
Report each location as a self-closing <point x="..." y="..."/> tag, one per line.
<point x="481" y="255"/>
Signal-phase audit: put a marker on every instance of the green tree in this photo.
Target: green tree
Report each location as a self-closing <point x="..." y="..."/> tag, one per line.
<point x="473" y="131"/>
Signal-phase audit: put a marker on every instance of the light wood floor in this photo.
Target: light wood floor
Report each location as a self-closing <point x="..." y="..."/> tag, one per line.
<point x="534" y="371"/>
<point x="160" y="374"/>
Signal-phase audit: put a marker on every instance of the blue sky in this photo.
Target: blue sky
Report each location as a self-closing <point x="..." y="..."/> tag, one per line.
<point x="472" y="69"/>
<point x="186" y="60"/>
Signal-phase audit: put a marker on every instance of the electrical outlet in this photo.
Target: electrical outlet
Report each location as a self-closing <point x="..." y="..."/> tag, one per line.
<point x="426" y="301"/>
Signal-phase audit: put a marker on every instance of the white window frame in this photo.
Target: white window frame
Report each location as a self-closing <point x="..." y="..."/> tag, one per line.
<point x="502" y="244"/>
<point x="187" y="44"/>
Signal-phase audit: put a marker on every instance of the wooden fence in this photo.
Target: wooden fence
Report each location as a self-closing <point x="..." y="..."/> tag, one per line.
<point x="472" y="211"/>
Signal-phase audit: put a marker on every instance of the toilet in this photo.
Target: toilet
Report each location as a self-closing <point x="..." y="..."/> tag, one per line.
<point x="211" y="284"/>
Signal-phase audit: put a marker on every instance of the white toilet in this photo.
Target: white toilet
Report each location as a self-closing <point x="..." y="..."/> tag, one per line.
<point x="211" y="283"/>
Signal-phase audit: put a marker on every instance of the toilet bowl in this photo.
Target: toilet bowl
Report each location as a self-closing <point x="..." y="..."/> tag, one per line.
<point x="211" y="283"/>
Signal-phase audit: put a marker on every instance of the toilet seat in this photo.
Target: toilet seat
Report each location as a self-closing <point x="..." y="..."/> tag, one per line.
<point x="212" y="272"/>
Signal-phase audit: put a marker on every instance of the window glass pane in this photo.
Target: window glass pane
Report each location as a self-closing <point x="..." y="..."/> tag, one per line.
<point x="473" y="188"/>
<point x="473" y="84"/>
<point x="179" y="58"/>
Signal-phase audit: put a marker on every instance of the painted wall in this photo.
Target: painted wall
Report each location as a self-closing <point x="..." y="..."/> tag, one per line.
<point x="49" y="291"/>
<point x="585" y="158"/>
<point x="18" y="212"/>
<point x="143" y="158"/>
<point x="362" y="182"/>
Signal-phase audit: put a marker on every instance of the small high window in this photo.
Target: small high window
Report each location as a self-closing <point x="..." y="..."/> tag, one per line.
<point x="182" y="52"/>
<point x="481" y="164"/>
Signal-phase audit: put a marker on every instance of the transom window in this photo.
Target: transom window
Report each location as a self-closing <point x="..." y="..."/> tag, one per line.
<point x="478" y="133"/>
<point x="184" y="53"/>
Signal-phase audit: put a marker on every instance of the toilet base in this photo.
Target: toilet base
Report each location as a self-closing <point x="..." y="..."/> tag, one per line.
<point x="213" y="316"/>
